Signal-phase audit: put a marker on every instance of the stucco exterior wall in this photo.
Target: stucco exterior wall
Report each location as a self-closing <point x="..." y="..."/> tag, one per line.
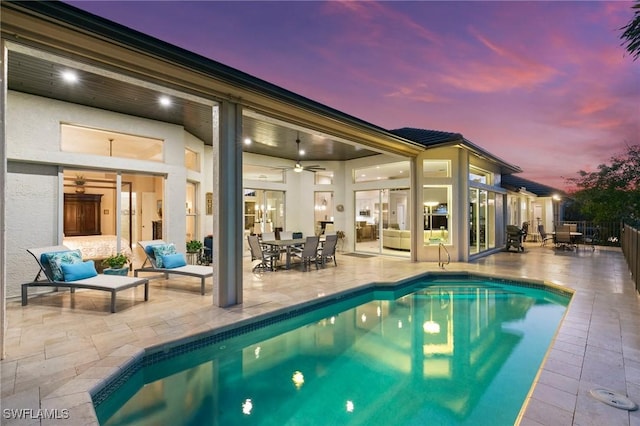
<point x="32" y="219"/>
<point x="34" y="185"/>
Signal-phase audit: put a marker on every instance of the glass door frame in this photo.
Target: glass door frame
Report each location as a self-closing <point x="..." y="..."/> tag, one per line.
<point x="377" y="209"/>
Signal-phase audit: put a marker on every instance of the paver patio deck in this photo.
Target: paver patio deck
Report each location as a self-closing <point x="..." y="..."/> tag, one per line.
<point x="59" y="347"/>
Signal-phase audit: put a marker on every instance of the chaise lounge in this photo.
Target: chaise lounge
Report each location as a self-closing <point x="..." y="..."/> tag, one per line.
<point x="63" y="267"/>
<point x="163" y="258"/>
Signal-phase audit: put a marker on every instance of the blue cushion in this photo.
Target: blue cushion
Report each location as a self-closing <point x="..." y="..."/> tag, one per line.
<point x="149" y="250"/>
<point x="173" y="260"/>
<point x="55" y="259"/>
<point x="161" y="250"/>
<point x="78" y="271"/>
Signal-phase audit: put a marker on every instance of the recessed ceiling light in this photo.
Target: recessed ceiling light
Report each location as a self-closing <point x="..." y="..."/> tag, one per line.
<point x="247" y="141"/>
<point x="69" y="76"/>
<point x="301" y="152"/>
<point x="165" y="101"/>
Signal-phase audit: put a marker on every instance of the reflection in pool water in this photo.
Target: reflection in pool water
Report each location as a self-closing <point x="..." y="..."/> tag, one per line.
<point x="440" y="352"/>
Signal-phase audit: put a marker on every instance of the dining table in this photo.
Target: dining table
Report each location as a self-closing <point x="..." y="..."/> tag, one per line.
<point x="287" y="245"/>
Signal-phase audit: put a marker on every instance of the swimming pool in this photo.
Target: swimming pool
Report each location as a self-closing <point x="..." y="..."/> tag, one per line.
<point x="439" y="350"/>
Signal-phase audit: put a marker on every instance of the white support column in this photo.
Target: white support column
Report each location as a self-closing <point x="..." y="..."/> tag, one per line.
<point x="3" y="194"/>
<point x="415" y="218"/>
<point x="227" y="207"/>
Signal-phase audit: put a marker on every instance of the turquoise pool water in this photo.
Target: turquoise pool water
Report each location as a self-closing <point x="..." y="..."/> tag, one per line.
<point x="438" y="351"/>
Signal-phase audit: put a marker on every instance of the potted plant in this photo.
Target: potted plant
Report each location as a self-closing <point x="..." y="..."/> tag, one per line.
<point x="194" y="246"/>
<point x="117" y="264"/>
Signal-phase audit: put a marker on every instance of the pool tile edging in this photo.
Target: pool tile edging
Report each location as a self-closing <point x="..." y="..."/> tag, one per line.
<point x="160" y="352"/>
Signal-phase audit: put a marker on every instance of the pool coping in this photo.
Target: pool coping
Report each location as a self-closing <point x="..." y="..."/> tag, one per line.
<point x="138" y="358"/>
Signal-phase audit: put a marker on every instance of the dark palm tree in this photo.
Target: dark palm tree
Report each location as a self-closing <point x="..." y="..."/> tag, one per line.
<point x="631" y="34"/>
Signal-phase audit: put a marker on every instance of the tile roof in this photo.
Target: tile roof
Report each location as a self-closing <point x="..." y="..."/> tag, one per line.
<point x="515" y="183"/>
<point x="427" y="137"/>
<point x="433" y="138"/>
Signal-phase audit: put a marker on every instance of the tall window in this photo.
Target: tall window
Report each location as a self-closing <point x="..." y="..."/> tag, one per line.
<point x="263" y="211"/>
<point x="323" y="210"/>
<point x="437" y="208"/>
<point x="482" y="218"/>
<point x="191" y="209"/>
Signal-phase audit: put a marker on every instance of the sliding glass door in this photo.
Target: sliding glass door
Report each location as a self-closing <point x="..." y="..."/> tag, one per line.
<point x="382" y="222"/>
<point x="482" y="218"/>
<point x="264" y="211"/>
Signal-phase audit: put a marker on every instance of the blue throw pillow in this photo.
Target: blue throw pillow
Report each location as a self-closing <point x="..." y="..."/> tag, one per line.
<point x="174" y="260"/>
<point x="149" y="250"/>
<point x="55" y="259"/>
<point x="162" y="250"/>
<point x="78" y="271"/>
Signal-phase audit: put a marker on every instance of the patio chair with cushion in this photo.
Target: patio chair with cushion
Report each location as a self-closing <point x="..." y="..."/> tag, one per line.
<point x="63" y="267"/>
<point x="164" y="258"/>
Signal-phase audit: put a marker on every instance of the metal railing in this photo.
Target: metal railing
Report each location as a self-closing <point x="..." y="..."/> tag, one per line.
<point x="440" y="261"/>
<point x="631" y="250"/>
<point x="608" y="233"/>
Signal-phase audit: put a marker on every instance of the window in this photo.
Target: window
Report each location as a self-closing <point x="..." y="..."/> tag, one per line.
<point x="323" y="210"/>
<point x="262" y="173"/>
<point x="480" y="176"/>
<point x="191" y="160"/>
<point x="324" y="177"/>
<point x="85" y="140"/>
<point x="263" y="211"/>
<point x="382" y="171"/>
<point x="436" y="168"/>
<point x="482" y="219"/>
<point x="437" y="208"/>
<point x="190" y="212"/>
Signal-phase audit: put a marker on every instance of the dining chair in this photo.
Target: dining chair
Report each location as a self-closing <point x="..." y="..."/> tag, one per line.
<point x="328" y="250"/>
<point x="308" y="253"/>
<point x="268" y="259"/>
<point x="543" y="235"/>
<point x="268" y="236"/>
<point x="286" y="235"/>
<point x="563" y="240"/>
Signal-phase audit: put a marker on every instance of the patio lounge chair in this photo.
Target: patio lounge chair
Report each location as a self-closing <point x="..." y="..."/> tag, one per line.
<point x="110" y="283"/>
<point x="152" y="247"/>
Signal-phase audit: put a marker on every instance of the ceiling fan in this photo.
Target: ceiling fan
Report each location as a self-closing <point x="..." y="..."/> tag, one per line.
<point x="298" y="167"/>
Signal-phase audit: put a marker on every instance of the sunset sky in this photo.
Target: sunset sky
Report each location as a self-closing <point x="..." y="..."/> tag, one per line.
<point x="546" y="86"/>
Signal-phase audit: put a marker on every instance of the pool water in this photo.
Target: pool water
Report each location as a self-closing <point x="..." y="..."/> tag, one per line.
<point x="445" y="351"/>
